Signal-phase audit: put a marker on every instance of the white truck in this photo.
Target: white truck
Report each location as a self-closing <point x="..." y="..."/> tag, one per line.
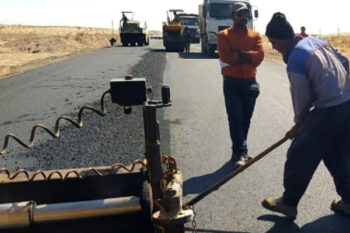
<point x="191" y="22"/>
<point x="214" y="16"/>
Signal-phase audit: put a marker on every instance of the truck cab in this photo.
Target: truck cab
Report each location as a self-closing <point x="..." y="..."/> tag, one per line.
<point x="192" y="23"/>
<point x="214" y="16"/>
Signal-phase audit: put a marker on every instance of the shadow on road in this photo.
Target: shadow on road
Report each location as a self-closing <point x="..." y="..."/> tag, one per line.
<point x="201" y="183"/>
<point x="195" y="55"/>
<point x="191" y="55"/>
<point x="159" y="50"/>
<point x="213" y="231"/>
<point x="326" y="224"/>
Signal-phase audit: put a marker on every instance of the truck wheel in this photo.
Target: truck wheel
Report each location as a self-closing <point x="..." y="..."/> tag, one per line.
<point x="204" y="46"/>
<point x="140" y="43"/>
<point x="133" y="43"/>
<point x="203" y="50"/>
<point x="125" y="44"/>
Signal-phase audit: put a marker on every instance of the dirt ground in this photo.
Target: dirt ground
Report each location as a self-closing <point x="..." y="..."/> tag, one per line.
<point x="341" y="42"/>
<point x="23" y="48"/>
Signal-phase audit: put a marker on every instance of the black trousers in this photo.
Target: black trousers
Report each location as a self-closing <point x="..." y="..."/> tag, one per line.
<point x="324" y="136"/>
<point x="240" y="97"/>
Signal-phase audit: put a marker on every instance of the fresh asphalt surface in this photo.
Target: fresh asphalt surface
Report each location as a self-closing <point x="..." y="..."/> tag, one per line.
<point x="194" y="130"/>
<point x="41" y="95"/>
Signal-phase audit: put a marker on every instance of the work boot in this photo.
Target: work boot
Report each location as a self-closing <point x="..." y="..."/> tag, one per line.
<point x="277" y="205"/>
<point x="341" y="207"/>
<point x="243" y="160"/>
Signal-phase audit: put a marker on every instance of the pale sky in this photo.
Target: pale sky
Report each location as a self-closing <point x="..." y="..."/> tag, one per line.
<point x="317" y="16"/>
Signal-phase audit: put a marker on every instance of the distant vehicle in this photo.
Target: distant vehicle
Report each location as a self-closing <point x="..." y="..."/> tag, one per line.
<point x="173" y="39"/>
<point x="192" y="23"/>
<point x="157" y="37"/>
<point x="131" y="32"/>
<point x="214" y="16"/>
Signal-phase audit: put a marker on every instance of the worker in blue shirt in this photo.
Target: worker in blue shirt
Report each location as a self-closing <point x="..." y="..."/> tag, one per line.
<point x="320" y="90"/>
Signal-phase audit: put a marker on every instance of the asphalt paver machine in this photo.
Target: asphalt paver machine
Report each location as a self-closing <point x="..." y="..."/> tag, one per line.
<point x="143" y="197"/>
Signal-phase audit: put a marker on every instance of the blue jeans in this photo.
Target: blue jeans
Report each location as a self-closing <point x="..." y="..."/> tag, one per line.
<point x="240" y="97"/>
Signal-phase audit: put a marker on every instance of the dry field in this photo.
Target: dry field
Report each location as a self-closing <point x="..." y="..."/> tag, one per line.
<point x="24" y="48"/>
<point x="342" y="43"/>
<point x="27" y="47"/>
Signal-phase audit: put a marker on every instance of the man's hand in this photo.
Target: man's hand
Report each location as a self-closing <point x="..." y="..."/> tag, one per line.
<point x="293" y="131"/>
<point x="243" y="56"/>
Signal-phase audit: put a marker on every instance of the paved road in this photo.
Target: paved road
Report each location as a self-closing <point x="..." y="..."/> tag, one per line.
<point x="41" y="95"/>
<point x="199" y="138"/>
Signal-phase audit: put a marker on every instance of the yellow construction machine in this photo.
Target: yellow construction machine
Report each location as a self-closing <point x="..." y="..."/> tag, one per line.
<point x="173" y="39"/>
<point x="131" y="32"/>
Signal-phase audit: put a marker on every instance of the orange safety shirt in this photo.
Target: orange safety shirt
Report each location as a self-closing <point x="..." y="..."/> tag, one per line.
<point x="246" y="39"/>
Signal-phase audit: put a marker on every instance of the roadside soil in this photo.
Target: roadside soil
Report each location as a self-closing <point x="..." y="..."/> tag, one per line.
<point x="23" y="48"/>
<point x="340" y="42"/>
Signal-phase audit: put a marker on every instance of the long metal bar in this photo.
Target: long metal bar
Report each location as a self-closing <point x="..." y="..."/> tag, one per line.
<point x="152" y="153"/>
<point x="235" y="172"/>
<point x="15" y="215"/>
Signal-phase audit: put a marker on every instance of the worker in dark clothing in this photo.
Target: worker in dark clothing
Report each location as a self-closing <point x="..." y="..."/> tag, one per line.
<point x="302" y="32"/>
<point x="124" y="19"/>
<point x="320" y="89"/>
<point x="187" y="38"/>
<point x="241" y="52"/>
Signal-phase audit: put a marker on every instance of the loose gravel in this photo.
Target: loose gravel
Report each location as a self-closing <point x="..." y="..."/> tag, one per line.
<point x="102" y="141"/>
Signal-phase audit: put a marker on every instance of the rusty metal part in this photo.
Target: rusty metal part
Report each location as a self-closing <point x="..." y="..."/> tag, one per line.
<point x="194" y="222"/>
<point x="235" y="172"/>
<point x="171" y="223"/>
<point x="160" y="229"/>
<point x="15" y="215"/>
<point x="69" y="174"/>
<point x="170" y="162"/>
<point x="171" y="217"/>
<point x="55" y="134"/>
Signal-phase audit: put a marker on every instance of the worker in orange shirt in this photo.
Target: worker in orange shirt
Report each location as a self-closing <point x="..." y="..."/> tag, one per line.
<point x="240" y="51"/>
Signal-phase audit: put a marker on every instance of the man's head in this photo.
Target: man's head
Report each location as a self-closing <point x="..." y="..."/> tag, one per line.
<point x="240" y="14"/>
<point x="280" y="33"/>
<point x="302" y="29"/>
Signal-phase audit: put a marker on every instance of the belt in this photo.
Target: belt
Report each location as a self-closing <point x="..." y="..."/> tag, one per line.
<point x="233" y="79"/>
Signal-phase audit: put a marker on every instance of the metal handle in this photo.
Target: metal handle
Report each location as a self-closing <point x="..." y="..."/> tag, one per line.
<point x="235" y="172"/>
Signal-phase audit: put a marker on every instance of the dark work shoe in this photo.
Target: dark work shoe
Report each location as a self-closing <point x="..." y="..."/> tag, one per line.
<point x="277" y="205"/>
<point x="341" y="207"/>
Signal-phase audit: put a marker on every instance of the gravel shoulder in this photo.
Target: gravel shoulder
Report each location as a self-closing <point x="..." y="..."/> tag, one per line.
<point x="102" y="141"/>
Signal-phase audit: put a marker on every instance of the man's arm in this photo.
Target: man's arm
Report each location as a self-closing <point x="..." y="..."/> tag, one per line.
<point x="226" y="54"/>
<point x="301" y="96"/>
<point x="244" y="57"/>
<point x="257" y="54"/>
<point x="253" y="57"/>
